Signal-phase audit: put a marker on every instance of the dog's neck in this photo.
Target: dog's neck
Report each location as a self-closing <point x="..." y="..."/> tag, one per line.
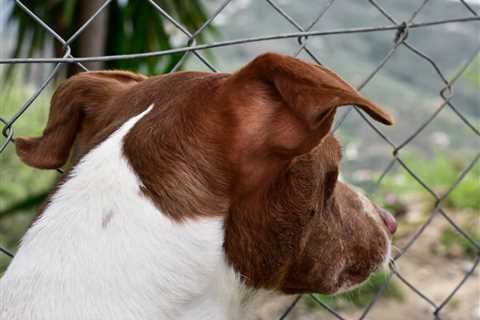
<point x="151" y="266"/>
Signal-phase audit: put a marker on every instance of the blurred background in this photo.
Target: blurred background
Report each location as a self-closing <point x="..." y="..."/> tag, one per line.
<point x="408" y="86"/>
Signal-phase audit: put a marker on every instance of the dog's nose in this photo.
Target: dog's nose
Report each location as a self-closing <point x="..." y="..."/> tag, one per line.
<point x="389" y="221"/>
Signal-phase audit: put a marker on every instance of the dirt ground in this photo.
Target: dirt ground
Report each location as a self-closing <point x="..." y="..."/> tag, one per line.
<point x="434" y="274"/>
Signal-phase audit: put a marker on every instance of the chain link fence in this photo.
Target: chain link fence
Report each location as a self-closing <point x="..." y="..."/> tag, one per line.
<point x="305" y="32"/>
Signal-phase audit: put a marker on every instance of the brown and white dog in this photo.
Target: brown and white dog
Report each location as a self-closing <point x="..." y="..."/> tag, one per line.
<point x="193" y="194"/>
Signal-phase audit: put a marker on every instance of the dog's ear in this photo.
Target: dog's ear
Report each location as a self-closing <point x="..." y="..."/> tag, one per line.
<point x="284" y="107"/>
<point x="312" y="92"/>
<point x="82" y="98"/>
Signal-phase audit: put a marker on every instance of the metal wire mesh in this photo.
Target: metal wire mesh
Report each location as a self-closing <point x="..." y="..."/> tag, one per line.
<point x="303" y="35"/>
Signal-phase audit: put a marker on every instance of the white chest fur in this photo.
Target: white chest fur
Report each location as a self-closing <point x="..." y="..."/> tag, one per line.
<point x="101" y="250"/>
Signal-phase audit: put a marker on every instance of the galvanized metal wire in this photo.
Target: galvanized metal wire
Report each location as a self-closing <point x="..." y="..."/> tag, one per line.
<point x="303" y="35"/>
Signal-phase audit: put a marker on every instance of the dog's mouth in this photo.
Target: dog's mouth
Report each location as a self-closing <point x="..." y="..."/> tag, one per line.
<point x="347" y="278"/>
<point x="353" y="277"/>
<point x="350" y="279"/>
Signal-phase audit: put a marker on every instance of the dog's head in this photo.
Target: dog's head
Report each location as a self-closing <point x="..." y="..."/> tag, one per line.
<point x="253" y="147"/>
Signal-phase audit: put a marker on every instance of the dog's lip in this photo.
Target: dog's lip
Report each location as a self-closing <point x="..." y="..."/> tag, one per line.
<point x="354" y="277"/>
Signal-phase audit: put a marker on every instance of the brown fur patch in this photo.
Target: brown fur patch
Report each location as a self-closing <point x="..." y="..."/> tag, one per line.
<point x="252" y="147"/>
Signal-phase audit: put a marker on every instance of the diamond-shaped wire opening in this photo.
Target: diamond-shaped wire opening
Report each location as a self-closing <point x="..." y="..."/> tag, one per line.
<point x="463" y="191"/>
<point x="55" y="35"/>
<point x="365" y="153"/>
<point x="450" y="305"/>
<point x="419" y="303"/>
<point x="302" y="27"/>
<point x="433" y="116"/>
<point x="199" y="63"/>
<point x="185" y="31"/>
<point x="244" y="19"/>
<point x="427" y="263"/>
<point x="58" y="66"/>
<point x="443" y="10"/>
<point x="467" y="234"/>
<point x="434" y="171"/>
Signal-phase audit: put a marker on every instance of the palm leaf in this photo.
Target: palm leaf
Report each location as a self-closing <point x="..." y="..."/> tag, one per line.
<point x="133" y="27"/>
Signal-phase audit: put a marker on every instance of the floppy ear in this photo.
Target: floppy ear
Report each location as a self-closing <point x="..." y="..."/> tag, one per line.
<point x="82" y="98"/>
<point x="284" y="107"/>
<point x="310" y="91"/>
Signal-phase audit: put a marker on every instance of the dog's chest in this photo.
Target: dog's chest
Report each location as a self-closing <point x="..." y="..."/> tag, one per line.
<point x="101" y="250"/>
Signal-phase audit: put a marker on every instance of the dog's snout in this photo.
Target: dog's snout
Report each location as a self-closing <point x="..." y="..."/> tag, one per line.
<point x="389" y="220"/>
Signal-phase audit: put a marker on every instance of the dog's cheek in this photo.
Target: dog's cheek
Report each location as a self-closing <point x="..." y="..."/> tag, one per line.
<point x="366" y="243"/>
<point x="314" y="273"/>
<point x="363" y="232"/>
<point x="317" y="267"/>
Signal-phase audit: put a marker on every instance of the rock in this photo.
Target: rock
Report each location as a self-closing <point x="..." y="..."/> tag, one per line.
<point x="476" y="312"/>
<point x="467" y="267"/>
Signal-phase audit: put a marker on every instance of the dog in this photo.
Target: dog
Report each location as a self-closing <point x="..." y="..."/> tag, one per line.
<point x="192" y="195"/>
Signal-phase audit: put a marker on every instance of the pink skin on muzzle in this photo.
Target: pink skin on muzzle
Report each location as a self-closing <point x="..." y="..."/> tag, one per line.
<point x="389" y="221"/>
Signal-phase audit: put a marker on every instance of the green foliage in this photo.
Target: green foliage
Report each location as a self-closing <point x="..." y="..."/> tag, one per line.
<point x="20" y="183"/>
<point x="473" y="73"/>
<point x="439" y="173"/>
<point x="20" y="180"/>
<point x="362" y="296"/>
<point x="134" y="27"/>
<point x="452" y="241"/>
<point x="141" y="28"/>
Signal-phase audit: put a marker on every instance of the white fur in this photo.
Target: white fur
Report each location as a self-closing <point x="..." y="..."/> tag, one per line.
<point x="101" y="250"/>
<point x="372" y="212"/>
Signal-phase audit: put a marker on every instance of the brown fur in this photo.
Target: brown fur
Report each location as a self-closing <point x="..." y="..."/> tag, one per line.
<point x="253" y="147"/>
<point x="80" y="108"/>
